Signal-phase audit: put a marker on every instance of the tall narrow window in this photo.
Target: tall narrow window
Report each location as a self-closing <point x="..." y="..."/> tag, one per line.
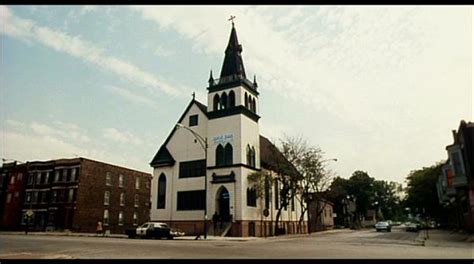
<point x="56" y="176"/>
<point x="120" y="218"/>
<point x="224" y="101"/>
<point x="106" y="217"/>
<point x="216" y="102"/>
<point x="277" y="190"/>
<point x="267" y="192"/>
<point x="231" y="99"/>
<point x="251" y="197"/>
<point x="228" y="154"/>
<point x="219" y="155"/>
<point x="161" y="192"/>
<point x="246" y="100"/>
<point x="108" y="179"/>
<point x="249" y="157"/>
<point x="137" y="183"/>
<point x="135" y="218"/>
<point x="73" y="176"/>
<point x="121" y="180"/>
<point x="70" y="196"/>
<point x="252" y="157"/>
<point x="106" y="197"/>
<point x="136" y="200"/>
<point x="122" y="199"/>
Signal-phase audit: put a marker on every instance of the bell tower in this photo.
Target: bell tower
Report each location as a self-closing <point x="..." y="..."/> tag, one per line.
<point x="233" y="130"/>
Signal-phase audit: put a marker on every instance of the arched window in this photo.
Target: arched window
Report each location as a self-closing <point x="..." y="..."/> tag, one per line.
<point x="219" y="155"/>
<point x="251" y="197"/>
<point x="249" y="157"/>
<point x="246" y="100"/>
<point x="224" y="101"/>
<point x="254" y="105"/>
<point x="252" y="157"/>
<point x="228" y="154"/>
<point x="216" y="102"/>
<point x="161" y="192"/>
<point x="231" y="99"/>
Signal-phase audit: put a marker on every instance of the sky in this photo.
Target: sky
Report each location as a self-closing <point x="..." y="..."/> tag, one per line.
<point x="378" y="87"/>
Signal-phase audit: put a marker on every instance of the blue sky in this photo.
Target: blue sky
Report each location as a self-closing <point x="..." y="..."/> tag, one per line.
<point x="380" y="93"/>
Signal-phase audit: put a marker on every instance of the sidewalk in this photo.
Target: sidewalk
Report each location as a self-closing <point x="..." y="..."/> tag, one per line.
<point x="446" y="238"/>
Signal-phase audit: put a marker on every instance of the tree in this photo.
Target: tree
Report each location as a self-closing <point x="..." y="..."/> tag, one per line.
<point x="387" y="200"/>
<point x="360" y="186"/>
<point x="258" y="180"/>
<point x="313" y="177"/>
<point x="421" y="191"/>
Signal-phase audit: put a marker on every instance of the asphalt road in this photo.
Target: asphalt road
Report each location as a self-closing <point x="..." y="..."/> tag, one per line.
<point x="336" y="244"/>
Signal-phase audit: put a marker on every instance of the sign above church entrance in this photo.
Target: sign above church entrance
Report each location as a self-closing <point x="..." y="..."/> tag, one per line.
<point x="221" y="139"/>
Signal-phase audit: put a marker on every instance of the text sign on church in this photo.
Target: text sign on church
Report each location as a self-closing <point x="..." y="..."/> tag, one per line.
<point x="221" y="139"/>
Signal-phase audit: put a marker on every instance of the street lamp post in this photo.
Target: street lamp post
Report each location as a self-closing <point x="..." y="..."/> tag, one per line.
<point x="203" y="142"/>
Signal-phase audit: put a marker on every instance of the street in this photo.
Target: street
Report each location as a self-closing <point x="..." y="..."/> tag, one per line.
<point x="332" y="244"/>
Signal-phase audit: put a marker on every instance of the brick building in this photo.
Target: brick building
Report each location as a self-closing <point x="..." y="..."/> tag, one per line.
<point x="76" y="193"/>
<point x="13" y="179"/>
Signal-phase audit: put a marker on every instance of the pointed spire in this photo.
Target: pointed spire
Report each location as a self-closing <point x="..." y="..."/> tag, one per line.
<point x="211" y="79"/>
<point x="233" y="65"/>
<point x="255" y="81"/>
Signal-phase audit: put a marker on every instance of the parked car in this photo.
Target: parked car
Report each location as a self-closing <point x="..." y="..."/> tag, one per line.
<point x="412" y="227"/>
<point x="151" y="230"/>
<point x="383" y="225"/>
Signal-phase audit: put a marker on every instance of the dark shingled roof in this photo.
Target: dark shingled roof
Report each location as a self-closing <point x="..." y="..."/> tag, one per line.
<point x="270" y="156"/>
<point x="233" y="63"/>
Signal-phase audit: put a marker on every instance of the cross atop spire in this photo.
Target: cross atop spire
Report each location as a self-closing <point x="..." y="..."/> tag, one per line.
<point x="233" y="65"/>
<point x="232" y="20"/>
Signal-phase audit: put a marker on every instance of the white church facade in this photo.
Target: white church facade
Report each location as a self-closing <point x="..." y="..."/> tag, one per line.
<point x="200" y="171"/>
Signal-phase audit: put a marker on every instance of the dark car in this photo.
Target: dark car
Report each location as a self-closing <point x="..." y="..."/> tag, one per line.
<point x="150" y="230"/>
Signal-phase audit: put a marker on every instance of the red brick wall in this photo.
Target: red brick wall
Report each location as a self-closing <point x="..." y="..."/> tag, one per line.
<point x="90" y="197"/>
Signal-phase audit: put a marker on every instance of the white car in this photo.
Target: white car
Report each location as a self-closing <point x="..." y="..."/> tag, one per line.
<point x="382" y="225"/>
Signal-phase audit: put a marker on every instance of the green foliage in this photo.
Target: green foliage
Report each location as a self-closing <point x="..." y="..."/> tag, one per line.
<point x="421" y="191"/>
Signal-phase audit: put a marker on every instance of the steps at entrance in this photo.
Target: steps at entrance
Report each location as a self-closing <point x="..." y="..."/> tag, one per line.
<point x="218" y="231"/>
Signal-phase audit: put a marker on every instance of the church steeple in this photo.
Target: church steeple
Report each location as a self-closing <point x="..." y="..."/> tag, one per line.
<point x="233" y="65"/>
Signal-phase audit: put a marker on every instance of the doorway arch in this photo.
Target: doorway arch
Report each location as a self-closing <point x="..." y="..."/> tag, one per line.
<point x="223" y="203"/>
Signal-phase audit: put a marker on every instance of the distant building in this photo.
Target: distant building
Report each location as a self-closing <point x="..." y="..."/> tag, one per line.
<point x="456" y="185"/>
<point x="190" y="182"/>
<point x="75" y="194"/>
<point x="320" y="212"/>
<point x="13" y="178"/>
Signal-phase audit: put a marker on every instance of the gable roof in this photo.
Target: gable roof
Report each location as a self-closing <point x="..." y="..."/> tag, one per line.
<point x="270" y="156"/>
<point x="163" y="157"/>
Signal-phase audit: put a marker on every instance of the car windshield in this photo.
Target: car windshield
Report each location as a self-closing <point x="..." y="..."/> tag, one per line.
<point x="382" y="223"/>
<point x="145" y="225"/>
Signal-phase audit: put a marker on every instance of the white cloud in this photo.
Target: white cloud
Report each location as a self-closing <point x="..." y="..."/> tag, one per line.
<point x="121" y="136"/>
<point x="387" y="79"/>
<point x="132" y="97"/>
<point x="75" y="46"/>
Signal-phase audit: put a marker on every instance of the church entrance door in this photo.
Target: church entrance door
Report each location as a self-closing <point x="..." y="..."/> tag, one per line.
<point x="223" y="203"/>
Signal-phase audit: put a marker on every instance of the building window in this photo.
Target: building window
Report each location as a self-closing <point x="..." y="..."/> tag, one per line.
<point x="248" y="155"/>
<point x="12" y="180"/>
<point x="54" y="196"/>
<point x="9" y="197"/>
<point x="74" y="174"/>
<point x="68" y="175"/>
<point x="228" y="152"/>
<point x="106" y="197"/>
<point x="277" y="190"/>
<point x="120" y="180"/>
<point x="231" y="99"/>
<point x="293" y="203"/>
<point x="46" y="178"/>
<point x="224" y="101"/>
<point x="193" y="120"/>
<point x="219" y="155"/>
<point x="122" y="199"/>
<point x="251" y="197"/>
<point x="137" y="183"/>
<point x="106" y="217"/>
<point x="56" y="176"/>
<point x="456" y="158"/>
<point x="108" y="179"/>
<point x="35" y="197"/>
<point x="70" y="197"/>
<point x="20" y="176"/>
<point x="194" y="168"/>
<point x="136" y="200"/>
<point x="191" y="200"/>
<point x="267" y="192"/>
<point x="216" y="102"/>
<point x="38" y="178"/>
<point x="120" y="218"/>
<point x="28" y="197"/>
<point x="135" y="218"/>
<point x="44" y="197"/>
<point x="246" y="100"/>
<point x="161" y="192"/>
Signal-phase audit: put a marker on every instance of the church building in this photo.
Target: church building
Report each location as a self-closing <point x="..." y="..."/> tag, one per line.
<point x="201" y="170"/>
